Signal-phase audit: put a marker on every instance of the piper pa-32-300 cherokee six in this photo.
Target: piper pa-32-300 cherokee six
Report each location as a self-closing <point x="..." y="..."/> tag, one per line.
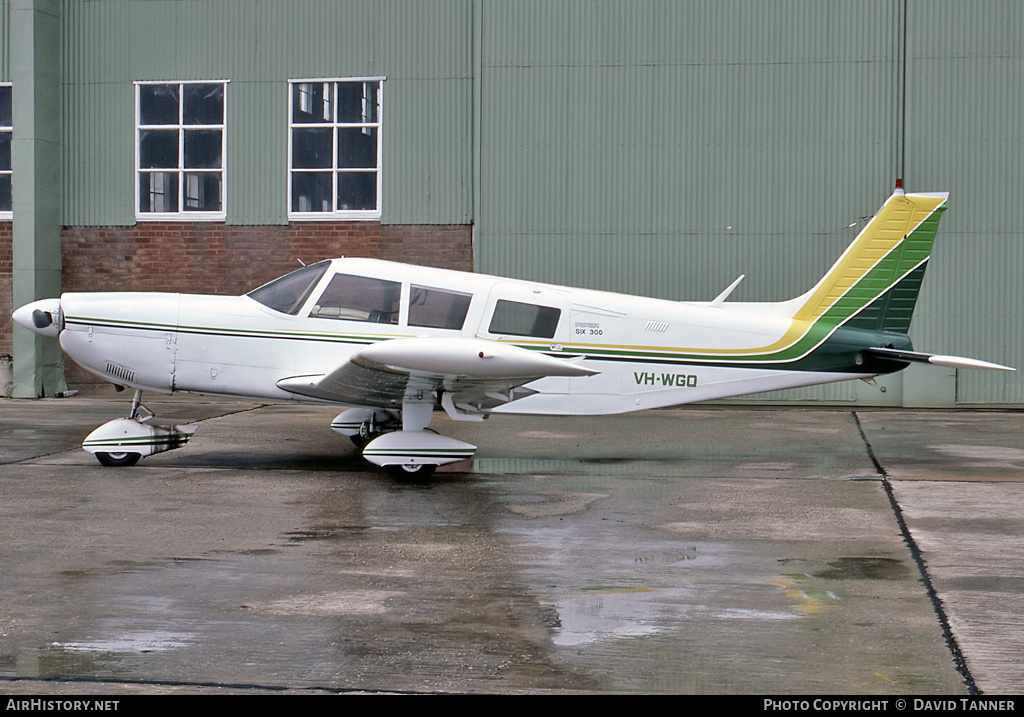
<point x="393" y="343"/>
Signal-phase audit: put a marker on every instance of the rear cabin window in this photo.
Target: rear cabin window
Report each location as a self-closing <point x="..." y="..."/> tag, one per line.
<point x="518" y="319"/>
<point x="437" y="308"/>
<point x="359" y="298"/>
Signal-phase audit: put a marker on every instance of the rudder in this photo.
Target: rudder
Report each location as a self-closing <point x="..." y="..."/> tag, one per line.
<point x="875" y="283"/>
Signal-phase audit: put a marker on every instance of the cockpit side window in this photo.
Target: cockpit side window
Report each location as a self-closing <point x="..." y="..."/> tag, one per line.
<point x="437" y="308"/>
<point x="359" y="298"/>
<point x="288" y="293"/>
<point x="518" y="319"/>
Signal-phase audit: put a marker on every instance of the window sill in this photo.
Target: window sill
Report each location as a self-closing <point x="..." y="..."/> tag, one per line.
<point x="182" y="217"/>
<point x="334" y="216"/>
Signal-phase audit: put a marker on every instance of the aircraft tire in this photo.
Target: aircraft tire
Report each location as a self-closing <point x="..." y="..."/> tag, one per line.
<point x="118" y="460"/>
<point x="410" y="474"/>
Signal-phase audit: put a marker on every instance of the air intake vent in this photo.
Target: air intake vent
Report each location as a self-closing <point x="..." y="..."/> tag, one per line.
<point x="115" y="371"/>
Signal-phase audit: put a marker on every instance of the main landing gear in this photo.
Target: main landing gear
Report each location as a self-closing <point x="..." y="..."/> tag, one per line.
<point x="124" y="441"/>
<point x="401" y="445"/>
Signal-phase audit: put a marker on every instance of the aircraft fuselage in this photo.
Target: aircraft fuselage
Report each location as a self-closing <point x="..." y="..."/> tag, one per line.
<point x="647" y="352"/>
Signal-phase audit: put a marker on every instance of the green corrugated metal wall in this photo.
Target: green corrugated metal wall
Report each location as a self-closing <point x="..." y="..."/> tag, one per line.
<point x="650" y="146"/>
<point x="423" y="47"/>
<point x="5" y="44"/>
<point x="664" y="148"/>
<point x="964" y="107"/>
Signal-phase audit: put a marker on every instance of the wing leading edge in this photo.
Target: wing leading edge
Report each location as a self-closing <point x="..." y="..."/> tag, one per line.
<point x="469" y="375"/>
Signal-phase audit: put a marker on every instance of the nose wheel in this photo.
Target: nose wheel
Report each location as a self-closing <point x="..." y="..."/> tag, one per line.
<point x="410" y="474"/>
<point x="118" y="460"/>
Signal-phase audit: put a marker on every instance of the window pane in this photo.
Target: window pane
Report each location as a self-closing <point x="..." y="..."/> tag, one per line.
<point x="202" y="192"/>
<point x="311" y="192"/>
<point x="289" y="292"/>
<point x="357" y="190"/>
<point x="202" y="148"/>
<point x="158" y="104"/>
<point x="5" y="193"/>
<point x="517" y="319"/>
<point x="5" y="107"/>
<point x="437" y="309"/>
<point x="5" y="150"/>
<point x="158" y="148"/>
<point x="357" y="147"/>
<point x="359" y="298"/>
<point x="311" y="102"/>
<point x="203" y="104"/>
<point x="311" y="148"/>
<point x="158" y="191"/>
<point x="357" y="102"/>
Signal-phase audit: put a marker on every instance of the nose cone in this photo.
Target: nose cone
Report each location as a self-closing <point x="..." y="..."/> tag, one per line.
<point x="43" y="317"/>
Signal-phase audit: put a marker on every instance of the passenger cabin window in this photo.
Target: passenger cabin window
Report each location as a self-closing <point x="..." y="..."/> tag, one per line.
<point x="437" y="309"/>
<point x="359" y="298"/>
<point x="288" y="293"/>
<point x="517" y="319"/>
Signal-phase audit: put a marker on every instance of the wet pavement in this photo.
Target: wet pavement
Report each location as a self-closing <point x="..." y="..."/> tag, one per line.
<point x="700" y="550"/>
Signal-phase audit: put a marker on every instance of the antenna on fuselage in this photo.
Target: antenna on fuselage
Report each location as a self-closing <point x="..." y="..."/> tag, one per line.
<point x="720" y="299"/>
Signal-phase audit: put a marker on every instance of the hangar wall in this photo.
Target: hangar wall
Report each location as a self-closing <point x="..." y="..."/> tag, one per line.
<point x="422" y="47"/>
<point x="660" y="148"/>
<point x="665" y="148"/>
<point x="964" y="104"/>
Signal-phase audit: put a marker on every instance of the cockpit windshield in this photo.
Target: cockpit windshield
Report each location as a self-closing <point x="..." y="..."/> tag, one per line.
<point x="288" y="293"/>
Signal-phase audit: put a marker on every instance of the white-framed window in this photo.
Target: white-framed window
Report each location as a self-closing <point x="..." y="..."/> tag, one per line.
<point x="180" y="142"/>
<point x="6" y="137"/>
<point x="334" y="148"/>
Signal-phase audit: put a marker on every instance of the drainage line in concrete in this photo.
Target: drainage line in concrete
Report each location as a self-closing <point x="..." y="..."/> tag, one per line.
<point x="958" y="656"/>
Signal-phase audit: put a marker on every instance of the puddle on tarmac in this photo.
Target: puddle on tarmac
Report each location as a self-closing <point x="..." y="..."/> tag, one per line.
<point x="863" y="568"/>
<point x="131" y="643"/>
<point x="600" y="466"/>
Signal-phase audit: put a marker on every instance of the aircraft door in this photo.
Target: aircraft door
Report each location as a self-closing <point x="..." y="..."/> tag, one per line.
<point x="525" y="315"/>
<point x="534" y="318"/>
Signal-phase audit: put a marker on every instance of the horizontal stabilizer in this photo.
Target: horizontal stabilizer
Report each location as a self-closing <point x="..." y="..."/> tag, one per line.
<point x="936" y="359"/>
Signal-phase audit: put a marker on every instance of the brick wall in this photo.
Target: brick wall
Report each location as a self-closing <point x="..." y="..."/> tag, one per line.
<point x="220" y="259"/>
<point x="193" y="257"/>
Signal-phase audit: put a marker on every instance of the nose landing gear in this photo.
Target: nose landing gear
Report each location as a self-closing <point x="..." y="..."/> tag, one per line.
<point x="124" y="441"/>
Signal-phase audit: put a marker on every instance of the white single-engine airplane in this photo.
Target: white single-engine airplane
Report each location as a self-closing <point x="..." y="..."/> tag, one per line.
<point x="393" y="343"/>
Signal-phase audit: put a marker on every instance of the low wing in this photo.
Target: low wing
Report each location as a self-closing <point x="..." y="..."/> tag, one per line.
<point x="936" y="359"/>
<point x="470" y="375"/>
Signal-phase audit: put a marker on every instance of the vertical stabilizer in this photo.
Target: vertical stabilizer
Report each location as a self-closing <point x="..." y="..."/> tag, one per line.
<point x="875" y="283"/>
